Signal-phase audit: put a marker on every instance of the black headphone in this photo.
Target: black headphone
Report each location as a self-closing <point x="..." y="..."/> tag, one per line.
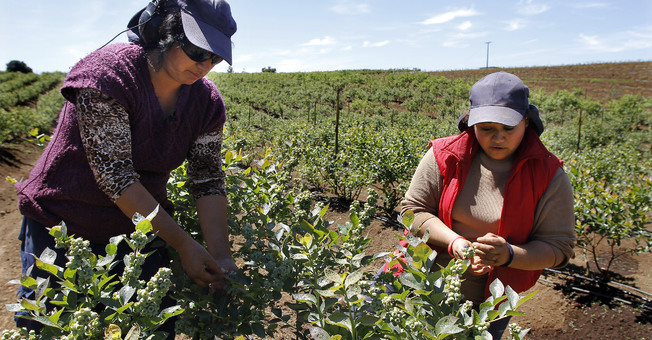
<point x="144" y="25"/>
<point x="149" y="23"/>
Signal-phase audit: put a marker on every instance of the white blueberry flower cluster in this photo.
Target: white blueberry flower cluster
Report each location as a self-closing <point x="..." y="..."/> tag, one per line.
<point x="412" y="325"/>
<point x="149" y="298"/>
<point x="396" y="316"/>
<point x="376" y="302"/>
<point x="302" y="203"/>
<point x="139" y="239"/>
<point x="468" y="252"/>
<point x="480" y="327"/>
<point x="453" y="285"/>
<point x="514" y="330"/>
<point x="18" y="334"/>
<point x="366" y="214"/>
<point x="85" y="324"/>
<point x="249" y="235"/>
<point x="133" y="264"/>
<point x="466" y="307"/>
<point x="78" y="255"/>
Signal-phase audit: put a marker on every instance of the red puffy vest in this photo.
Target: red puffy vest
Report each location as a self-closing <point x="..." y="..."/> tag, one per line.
<point x="532" y="171"/>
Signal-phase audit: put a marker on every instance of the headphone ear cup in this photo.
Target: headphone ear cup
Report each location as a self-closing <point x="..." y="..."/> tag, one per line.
<point x="149" y="24"/>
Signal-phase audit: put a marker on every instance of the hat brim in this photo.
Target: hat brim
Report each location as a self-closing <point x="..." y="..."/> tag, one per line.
<point x="495" y="114"/>
<point x="206" y="36"/>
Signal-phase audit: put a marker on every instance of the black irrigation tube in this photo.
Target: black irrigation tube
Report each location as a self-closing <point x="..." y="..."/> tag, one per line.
<point x="586" y="291"/>
<point x="646" y="303"/>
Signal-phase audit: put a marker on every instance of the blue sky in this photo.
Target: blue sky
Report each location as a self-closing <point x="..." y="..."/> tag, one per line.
<point x="303" y="35"/>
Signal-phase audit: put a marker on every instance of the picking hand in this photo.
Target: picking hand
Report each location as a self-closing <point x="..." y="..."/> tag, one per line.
<point x="492" y="250"/>
<point x="199" y="265"/>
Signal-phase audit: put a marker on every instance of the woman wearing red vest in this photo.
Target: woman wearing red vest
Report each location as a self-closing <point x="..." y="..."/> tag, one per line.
<point x="497" y="188"/>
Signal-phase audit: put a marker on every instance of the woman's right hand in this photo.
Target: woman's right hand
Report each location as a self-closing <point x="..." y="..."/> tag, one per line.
<point x="459" y="247"/>
<point x="199" y="265"/>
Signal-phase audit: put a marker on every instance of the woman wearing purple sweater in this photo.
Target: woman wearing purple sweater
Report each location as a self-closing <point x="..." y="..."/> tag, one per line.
<point x="133" y="113"/>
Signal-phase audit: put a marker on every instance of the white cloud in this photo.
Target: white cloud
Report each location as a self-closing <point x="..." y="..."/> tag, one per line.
<point x="617" y="42"/>
<point x="530" y="8"/>
<point x="376" y="44"/>
<point x="590" y="5"/>
<point x="459" y="40"/>
<point x="448" y="16"/>
<point x="465" y="26"/>
<point x="320" y="42"/>
<point x="514" y="25"/>
<point x="589" y="40"/>
<point x="350" y="7"/>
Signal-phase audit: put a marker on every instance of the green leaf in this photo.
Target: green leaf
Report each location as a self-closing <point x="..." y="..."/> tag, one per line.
<point x="48" y="256"/>
<point x="325" y="292"/>
<point x="368" y="320"/>
<point x="144" y="226"/>
<point x="27" y="304"/>
<point x="353" y="278"/>
<point x="306" y="240"/>
<point x="340" y="319"/>
<point x="111" y="249"/>
<point x="496" y="288"/>
<point x="447" y="325"/>
<point x="113" y="332"/>
<point x="524" y="299"/>
<point x="413" y="281"/>
<point x="305" y="298"/>
<point x="28" y="282"/>
<point x="41" y="288"/>
<point x="125" y="293"/>
<point x="14" y="307"/>
<point x="54" y="317"/>
<point x="134" y="333"/>
<point x="421" y="255"/>
<point x="171" y="311"/>
<point x="512" y="297"/>
<point x="50" y="268"/>
<point x="408" y="218"/>
<point x="333" y="276"/>
<point x="318" y="333"/>
<point x="310" y="228"/>
<point x="45" y="321"/>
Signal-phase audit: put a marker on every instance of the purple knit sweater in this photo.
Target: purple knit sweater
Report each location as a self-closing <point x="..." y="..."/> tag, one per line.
<point x="61" y="187"/>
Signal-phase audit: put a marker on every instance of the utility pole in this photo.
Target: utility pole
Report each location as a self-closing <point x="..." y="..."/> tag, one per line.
<point x="488" y="42"/>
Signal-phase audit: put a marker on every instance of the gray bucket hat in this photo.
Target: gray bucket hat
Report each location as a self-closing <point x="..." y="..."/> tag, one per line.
<point x="206" y="23"/>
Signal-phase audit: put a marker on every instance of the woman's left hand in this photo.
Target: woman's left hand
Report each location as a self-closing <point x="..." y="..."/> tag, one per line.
<point x="492" y="250"/>
<point x="227" y="265"/>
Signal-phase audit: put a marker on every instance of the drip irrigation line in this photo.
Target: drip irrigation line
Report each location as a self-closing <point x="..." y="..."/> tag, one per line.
<point x="644" y="302"/>
<point x="627" y="289"/>
<point x="586" y="291"/>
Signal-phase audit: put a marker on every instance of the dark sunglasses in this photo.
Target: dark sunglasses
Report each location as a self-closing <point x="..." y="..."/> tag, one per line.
<point x="198" y="54"/>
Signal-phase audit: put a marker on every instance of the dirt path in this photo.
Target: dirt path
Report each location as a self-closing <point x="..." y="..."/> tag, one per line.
<point x="15" y="161"/>
<point x="552" y="314"/>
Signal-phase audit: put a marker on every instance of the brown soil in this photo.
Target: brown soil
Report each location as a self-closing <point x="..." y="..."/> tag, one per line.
<point x="557" y="311"/>
<point x="598" y="81"/>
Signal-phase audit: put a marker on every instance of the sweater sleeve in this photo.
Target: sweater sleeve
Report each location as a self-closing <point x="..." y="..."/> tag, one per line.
<point x="205" y="173"/>
<point x="422" y="197"/>
<point x="105" y="134"/>
<point x="554" y="219"/>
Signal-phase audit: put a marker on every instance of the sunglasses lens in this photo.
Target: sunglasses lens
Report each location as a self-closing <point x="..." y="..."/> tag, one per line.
<point x="198" y="54"/>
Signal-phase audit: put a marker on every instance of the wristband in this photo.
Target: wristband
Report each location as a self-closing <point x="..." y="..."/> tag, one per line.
<point x="511" y="256"/>
<point x="450" y="245"/>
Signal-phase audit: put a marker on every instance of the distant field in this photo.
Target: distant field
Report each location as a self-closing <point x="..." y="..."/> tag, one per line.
<point x="600" y="81"/>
